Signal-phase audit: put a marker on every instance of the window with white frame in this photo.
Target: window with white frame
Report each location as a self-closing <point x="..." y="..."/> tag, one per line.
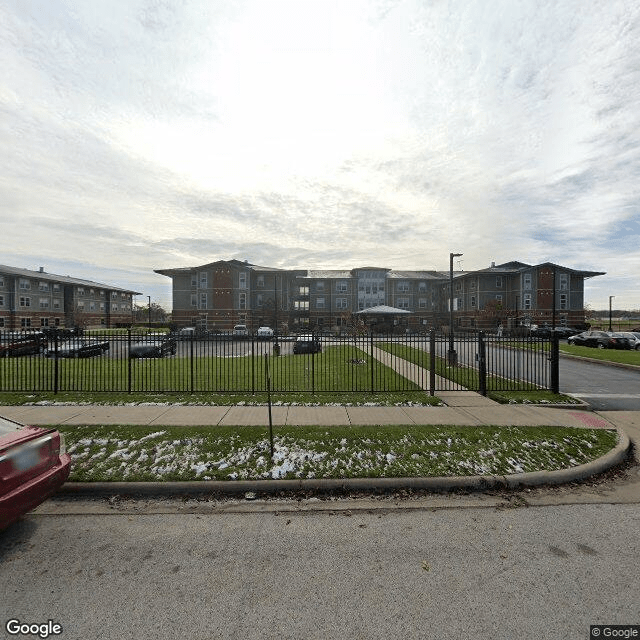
<point x="44" y="303"/>
<point x="44" y="322"/>
<point x="259" y="301"/>
<point x="526" y="281"/>
<point x="402" y="303"/>
<point x="341" y="303"/>
<point x="422" y="303"/>
<point x="2" y="282"/>
<point x="57" y="303"/>
<point x="194" y="280"/>
<point x="24" y="285"/>
<point x="527" y="301"/>
<point x="473" y="302"/>
<point x="341" y="286"/>
<point x="498" y="282"/>
<point x="25" y="323"/>
<point x="243" y="301"/>
<point x="203" y="280"/>
<point x="563" y="301"/>
<point x="80" y="291"/>
<point x="43" y="286"/>
<point x="499" y="299"/>
<point x="320" y="303"/>
<point x="114" y="308"/>
<point x="203" y="300"/>
<point x="81" y="306"/>
<point x="260" y="281"/>
<point x="403" y="287"/>
<point x="422" y="287"/>
<point x="564" y="281"/>
<point x="1" y="301"/>
<point x="102" y="305"/>
<point x="301" y="305"/>
<point x="92" y="306"/>
<point x="25" y="301"/>
<point x="243" y="280"/>
<point x="320" y="286"/>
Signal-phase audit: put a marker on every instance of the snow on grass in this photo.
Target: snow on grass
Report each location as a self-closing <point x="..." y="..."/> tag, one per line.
<point x="199" y="453"/>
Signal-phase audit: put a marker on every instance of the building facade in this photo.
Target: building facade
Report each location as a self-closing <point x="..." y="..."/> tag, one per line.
<point x="37" y="299"/>
<point x="220" y="294"/>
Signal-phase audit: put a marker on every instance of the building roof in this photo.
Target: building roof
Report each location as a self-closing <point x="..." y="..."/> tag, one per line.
<point x="52" y="277"/>
<point x="383" y="310"/>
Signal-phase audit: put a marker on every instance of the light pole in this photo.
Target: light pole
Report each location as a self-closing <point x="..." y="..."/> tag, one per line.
<point x="452" y="355"/>
<point x="149" y="313"/>
<point x="610" y="299"/>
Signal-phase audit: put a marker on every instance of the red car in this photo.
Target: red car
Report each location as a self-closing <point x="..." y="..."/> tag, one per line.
<point x="33" y="464"/>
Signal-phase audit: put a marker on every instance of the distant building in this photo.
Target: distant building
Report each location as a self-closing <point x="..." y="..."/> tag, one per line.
<point x="220" y="294"/>
<point x="35" y="299"/>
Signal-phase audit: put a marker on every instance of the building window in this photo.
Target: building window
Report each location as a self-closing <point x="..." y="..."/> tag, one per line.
<point x="526" y="281"/>
<point x="259" y="301"/>
<point x="402" y="303"/>
<point x="341" y="287"/>
<point x="25" y="323"/>
<point x="56" y="303"/>
<point x="563" y="301"/>
<point x="564" y="282"/>
<point x="243" y="280"/>
<point x="1" y="301"/>
<point x="25" y="285"/>
<point x="81" y="306"/>
<point x="1" y="322"/>
<point x="498" y="282"/>
<point x="422" y="287"/>
<point x="44" y="303"/>
<point x="341" y="303"/>
<point x="527" y="301"/>
<point x="92" y="306"/>
<point x="203" y="300"/>
<point x="499" y="300"/>
<point x="114" y="295"/>
<point x="194" y="280"/>
<point x="260" y="281"/>
<point x="43" y="286"/>
<point x="194" y="300"/>
<point x="114" y="307"/>
<point x="203" y="279"/>
<point x="422" y="303"/>
<point x="473" y="302"/>
<point x="320" y="286"/>
<point x="319" y="303"/>
<point x="102" y="307"/>
<point x="303" y="291"/>
<point x="1" y="282"/>
<point x="44" y="322"/>
<point x="243" y="301"/>
<point x="301" y="305"/>
<point x="25" y="301"/>
<point x="403" y="287"/>
<point x="80" y="291"/>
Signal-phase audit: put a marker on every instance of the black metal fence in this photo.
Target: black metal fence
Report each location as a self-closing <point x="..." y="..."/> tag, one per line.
<point x="145" y="362"/>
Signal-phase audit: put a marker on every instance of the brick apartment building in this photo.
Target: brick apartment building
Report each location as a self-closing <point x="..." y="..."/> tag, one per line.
<point x="221" y="294"/>
<point x="36" y="299"/>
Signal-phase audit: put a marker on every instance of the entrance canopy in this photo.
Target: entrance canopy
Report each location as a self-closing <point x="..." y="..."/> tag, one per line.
<point x="383" y="310"/>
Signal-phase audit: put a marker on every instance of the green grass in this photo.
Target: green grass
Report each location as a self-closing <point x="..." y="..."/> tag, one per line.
<point x="609" y="355"/>
<point x="541" y="396"/>
<point x="337" y="369"/>
<point x="143" y="453"/>
<point x="465" y="376"/>
<point x="388" y="398"/>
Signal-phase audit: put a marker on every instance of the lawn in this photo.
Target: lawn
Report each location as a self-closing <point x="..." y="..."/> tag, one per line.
<point x="338" y="369"/>
<point x="621" y="356"/>
<point x="143" y="453"/>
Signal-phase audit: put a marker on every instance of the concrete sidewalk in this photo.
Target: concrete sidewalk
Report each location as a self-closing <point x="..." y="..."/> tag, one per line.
<point x="463" y="409"/>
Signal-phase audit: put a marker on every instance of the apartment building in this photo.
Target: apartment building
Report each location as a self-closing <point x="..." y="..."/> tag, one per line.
<point x="36" y="299"/>
<point x="221" y="294"/>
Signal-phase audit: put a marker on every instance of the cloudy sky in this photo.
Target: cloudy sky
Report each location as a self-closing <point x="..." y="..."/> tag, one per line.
<point x="146" y="134"/>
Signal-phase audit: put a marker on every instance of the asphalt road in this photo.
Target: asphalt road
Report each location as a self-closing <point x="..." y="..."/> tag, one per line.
<point x="604" y="387"/>
<point x="447" y="573"/>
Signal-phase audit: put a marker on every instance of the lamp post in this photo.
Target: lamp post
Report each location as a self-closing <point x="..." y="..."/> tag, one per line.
<point x="149" y="313"/>
<point x="452" y="355"/>
<point x="610" y="299"/>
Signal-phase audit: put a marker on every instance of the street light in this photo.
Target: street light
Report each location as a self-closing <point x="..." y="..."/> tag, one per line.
<point x="452" y="355"/>
<point x="610" y="298"/>
<point x="149" y="313"/>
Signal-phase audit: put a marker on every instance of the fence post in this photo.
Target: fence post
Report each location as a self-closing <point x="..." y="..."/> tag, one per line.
<point x="482" y="363"/>
<point x="371" y="358"/>
<point x="555" y="363"/>
<point x="129" y="359"/>
<point x="56" y="369"/>
<point x="191" y="362"/>
<point x="268" y="376"/>
<point x="432" y="362"/>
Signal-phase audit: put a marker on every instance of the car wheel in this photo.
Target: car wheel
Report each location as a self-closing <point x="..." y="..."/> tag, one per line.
<point x="601" y="346"/>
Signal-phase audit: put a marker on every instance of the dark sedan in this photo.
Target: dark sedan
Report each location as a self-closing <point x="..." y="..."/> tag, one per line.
<point x="33" y="464"/>
<point x="307" y="344"/>
<point x="154" y="349"/>
<point x="21" y="344"/>
<point x="79" y="349"/>
<point x="600" y="340"/>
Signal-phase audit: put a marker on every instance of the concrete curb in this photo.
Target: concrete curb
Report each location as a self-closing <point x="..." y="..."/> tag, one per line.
<point x="438" y="485"/>
<point x="619" y="365"/>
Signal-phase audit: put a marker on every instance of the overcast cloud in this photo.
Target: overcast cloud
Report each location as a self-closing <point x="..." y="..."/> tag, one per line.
<point x="146" y="134"/>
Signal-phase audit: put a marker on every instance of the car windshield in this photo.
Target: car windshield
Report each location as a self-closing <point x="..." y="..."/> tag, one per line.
<point x="6" y="426"/>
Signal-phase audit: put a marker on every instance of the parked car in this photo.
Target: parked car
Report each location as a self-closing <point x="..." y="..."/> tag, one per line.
<point x="22" y="344"/>
<point x="185" y="333"/>
<point x="600" y="339"/>
<point x="240" y="331"/>
<point x="154" y="349"/>
<point x="78" y="349"/>
<point x="307" y="344"/>
<point x="264" y="333"/>
<point x="633" y="337"/>
<point x="33" y="464"/>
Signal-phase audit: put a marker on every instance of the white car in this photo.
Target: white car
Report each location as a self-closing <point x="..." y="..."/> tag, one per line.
<point x="634" y="338"/>
<point x="265" y="333"/>
<point x="240" y="331"/>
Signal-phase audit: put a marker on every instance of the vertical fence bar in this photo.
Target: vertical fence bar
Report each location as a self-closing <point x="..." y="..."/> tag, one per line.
<point x="482" y="363"/>
<point x="555" y="363"/>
